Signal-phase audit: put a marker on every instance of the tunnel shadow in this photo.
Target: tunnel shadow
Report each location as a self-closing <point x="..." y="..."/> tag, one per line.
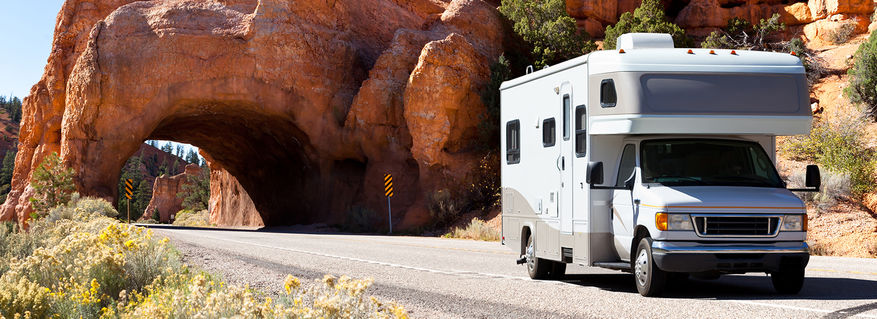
<point x="738" y="287"/>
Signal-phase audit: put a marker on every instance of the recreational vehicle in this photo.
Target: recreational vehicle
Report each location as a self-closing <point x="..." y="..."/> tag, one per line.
<point x="658" y="161"/>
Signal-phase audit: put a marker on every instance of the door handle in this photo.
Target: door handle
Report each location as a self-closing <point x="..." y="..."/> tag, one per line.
<point x="563" y="163"/>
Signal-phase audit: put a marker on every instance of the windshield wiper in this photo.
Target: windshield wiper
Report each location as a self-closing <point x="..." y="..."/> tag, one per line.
<point x="686" y="178"/>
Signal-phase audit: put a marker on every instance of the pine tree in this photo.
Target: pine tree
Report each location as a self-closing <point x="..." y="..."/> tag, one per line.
<point x="52" y="184"/>
<point x="196" y="191"/>
<point x="8" y="167"/>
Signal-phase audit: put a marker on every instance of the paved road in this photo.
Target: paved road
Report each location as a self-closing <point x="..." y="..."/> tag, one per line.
<point x="449" y="278"/>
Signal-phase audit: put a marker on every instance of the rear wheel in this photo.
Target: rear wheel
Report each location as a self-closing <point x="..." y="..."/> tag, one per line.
<point x="788" y="280"/>
<point x="537" y="268"/>
<point x="650" y="280"/>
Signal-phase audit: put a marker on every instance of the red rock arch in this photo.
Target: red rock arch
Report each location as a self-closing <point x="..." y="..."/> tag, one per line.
<point x="306" y="103"/>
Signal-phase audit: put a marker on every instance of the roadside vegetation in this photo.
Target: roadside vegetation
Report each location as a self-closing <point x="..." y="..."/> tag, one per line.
<point x="190" y="218"/>
<point x="863" y="76"/>
<point x="548" y="28"/>
<point x="75" y="260"/>
<point x="648" y="17"/>
<point x="477" y="230"/>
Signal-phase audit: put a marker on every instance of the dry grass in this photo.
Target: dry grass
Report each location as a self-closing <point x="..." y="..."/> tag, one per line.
<point x="477" y="230"/>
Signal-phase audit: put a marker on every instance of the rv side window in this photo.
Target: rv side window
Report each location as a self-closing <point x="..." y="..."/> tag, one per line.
<point x="581" y="131"/>
<point x="628" y="162"/>
<point x="566" y="105"/>
<point x="608" y="98"/>
<point x="549" y="132"/>
<point x="513" y="142"/>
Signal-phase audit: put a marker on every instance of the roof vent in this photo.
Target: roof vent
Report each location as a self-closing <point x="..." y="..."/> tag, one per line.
<point x="630" y="41"/>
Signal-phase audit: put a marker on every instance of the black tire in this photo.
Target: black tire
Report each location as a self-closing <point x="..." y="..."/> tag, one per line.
<point x="558" y="271"/>
<point x="788" y="280"/>
<point x="537" y="268"/>
<point x="650" y="280"/>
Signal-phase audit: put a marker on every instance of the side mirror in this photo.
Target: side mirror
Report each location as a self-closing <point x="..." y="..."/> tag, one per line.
<point x="595" y="173"/>
<point x="628" y="184"/>
<point x="813" y="178"/>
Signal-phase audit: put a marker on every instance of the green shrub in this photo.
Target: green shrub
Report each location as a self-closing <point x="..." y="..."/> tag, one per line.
<point x="863" y="75"/>
<point x="838" y="144"/>
<point x="547" y="26"/>
<point x="52" y="184"/>
<point x="648" y="17"/>
<point x="489" y="127"/>
<point x="445" y="206"/>
<point x="484" y="191"/>
<point x="359" y="219"/>
<point x="813" y="64"/>
<point x="196" y="191"/>
<point x="842" y="33"/>
<point x="740" y="34"/>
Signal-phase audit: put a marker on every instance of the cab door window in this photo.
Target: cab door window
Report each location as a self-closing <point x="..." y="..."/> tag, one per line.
<point x="627" y="165"/>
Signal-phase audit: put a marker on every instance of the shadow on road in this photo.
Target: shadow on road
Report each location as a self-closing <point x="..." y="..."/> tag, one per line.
<point x="739" y="287"/>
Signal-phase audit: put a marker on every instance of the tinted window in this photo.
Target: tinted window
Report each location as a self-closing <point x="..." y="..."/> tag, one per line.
<point x="513" y="142"/>
<point x="683" y="162"/>
<point x="549" y="132"/>
<point x="608" y="98"/>
<point x="581" y="123"/>
<point x="566" y="106"/>
<point x="628" y="163"/>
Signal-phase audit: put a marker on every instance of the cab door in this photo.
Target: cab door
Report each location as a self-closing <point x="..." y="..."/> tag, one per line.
<point x="623" y="207"/>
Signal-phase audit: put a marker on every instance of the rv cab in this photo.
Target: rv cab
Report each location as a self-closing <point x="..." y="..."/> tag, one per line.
<point x="657" y="161"/>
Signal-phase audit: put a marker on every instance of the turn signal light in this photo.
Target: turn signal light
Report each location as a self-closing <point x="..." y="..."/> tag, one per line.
<point x="661" y="221"/>
<point x="804" y="228"/>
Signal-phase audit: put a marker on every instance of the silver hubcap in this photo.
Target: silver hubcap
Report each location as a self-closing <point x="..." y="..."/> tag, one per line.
<point x="641" y="267"/>
<point x="530" y="255"/>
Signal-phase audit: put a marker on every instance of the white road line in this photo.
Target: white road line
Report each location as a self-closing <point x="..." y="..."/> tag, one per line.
<point x="489" y="275"/>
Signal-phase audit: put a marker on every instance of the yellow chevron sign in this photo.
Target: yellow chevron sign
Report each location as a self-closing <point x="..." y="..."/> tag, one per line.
<point x="388" y="185"/>
<point x="129" y="188"/>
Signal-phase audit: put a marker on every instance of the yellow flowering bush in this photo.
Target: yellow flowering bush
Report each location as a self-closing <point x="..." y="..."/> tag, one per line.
<point x="78" y="263"/>
<point x="191" y="218"/>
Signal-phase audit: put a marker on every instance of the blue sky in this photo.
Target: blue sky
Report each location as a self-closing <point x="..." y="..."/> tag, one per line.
<point x="26" y="29"/>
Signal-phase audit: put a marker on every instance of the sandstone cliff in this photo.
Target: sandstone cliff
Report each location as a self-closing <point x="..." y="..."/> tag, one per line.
<point x="813" y="18"/>
<point x="164" y="194"/>
<point x="306" y="103"/>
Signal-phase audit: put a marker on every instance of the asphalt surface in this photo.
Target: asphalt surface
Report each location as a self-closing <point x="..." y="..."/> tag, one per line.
<point x="450" y="278"/>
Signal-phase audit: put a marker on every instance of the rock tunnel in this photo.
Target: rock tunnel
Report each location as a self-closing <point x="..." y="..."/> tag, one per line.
<point x="306" y="103"/>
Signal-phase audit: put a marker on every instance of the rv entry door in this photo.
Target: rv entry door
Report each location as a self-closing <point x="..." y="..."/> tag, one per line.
<point x="623" y="207"/>
<point x="565" y="206"/>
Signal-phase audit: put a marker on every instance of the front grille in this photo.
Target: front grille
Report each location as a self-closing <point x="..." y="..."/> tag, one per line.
<point x="729" y="226"/>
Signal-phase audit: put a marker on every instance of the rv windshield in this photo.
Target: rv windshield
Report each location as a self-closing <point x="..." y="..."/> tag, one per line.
<point x="686" y="162"/>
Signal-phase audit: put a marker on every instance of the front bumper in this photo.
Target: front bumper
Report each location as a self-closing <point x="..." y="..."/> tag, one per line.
<point x="728" y="257"/>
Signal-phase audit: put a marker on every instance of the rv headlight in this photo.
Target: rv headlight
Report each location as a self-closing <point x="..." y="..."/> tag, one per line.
<point x="794" y="223"/>
<point x="665" y="221"/>
<point x="679" y="222"/>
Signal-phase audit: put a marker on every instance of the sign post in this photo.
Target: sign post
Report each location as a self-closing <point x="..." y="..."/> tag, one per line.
<point x="388" y="191"/>
<point x="129" y="192"/>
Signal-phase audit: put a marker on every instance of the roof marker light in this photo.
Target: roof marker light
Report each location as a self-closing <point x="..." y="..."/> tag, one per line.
<point x="713" y="52"/>
<point x="690" y="51"/>
<point x="733" y="52"/>
<point x="793" y="53"/>
<point x="620" y="50"/>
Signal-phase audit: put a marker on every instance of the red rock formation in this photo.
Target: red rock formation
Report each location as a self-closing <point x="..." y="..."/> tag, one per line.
<point x="301" y="101"/>
<point x="164" y="194"/>
<point x="700" y="17"/>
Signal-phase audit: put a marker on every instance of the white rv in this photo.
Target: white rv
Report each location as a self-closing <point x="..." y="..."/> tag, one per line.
<point x="657" y="161"/>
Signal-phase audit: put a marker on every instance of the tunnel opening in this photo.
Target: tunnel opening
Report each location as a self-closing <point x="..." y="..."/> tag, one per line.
<point x="272" y="159"/>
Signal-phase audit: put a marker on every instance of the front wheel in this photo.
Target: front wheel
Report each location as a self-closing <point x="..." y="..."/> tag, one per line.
<point x="788" y="280"/>
<point x="650" y="280"/>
